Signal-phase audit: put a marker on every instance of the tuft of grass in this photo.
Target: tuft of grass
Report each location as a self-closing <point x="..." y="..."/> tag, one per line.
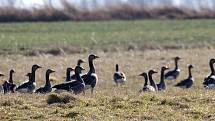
<point x="53" y="98"/>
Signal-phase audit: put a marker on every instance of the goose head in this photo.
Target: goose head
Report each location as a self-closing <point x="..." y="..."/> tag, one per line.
<point x="1" y="75"/>
<point x="28" y="74"/>
<point x="80" y="61"/>
<point x="79" y="69"/>
<point x="49" y="71"/>
<point x="177" y="58"/>
<point x="92" y="57"/>
<point x="69" y="69"/>
<point x="12" y="71"/>
<point x="190" y="66"/>
<point x="152" y="72"/>
<point x="164" y="68"/>
<point x="35" y="67"/>
<point x="143" y="75"/>
<point x="212" y="61"/>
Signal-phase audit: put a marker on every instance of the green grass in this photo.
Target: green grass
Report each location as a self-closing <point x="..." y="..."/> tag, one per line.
<point x="105" y="33"/>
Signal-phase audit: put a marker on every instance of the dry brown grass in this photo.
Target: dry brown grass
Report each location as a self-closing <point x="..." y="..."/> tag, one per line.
<point x="118" y="12"/>
<point x="110" y="102"/>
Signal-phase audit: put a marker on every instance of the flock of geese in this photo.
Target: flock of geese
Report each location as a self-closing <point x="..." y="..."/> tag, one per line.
<point x="77" y="82"/>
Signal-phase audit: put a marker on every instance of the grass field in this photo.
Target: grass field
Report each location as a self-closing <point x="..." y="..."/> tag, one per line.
<point x="99" y="35"/>
<point x="109" y="101"/>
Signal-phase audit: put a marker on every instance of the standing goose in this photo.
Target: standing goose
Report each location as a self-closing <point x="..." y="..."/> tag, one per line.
<point x="119" y="77"/>
<point x="68" y="72"/>
<point x="30" y="85"/>
<point x="90" y="79"/>
<point x="162" y="84"/>
<point x="75" y="86"/>
<point x="9" y="86"/>
<point x="152" y="83"/>
<point x="187" y="83"/>
<point x="80" y="61"/>
<point x="173" y="74"/>
<point x="209" y="81"/>
<point x="47" y="88"/>
<point x="146" y="87"/>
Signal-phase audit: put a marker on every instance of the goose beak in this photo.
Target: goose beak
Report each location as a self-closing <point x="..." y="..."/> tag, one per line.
<point x="97" y="57"/>
<point x="1" y="74"/>
<point x="39" y="67"/>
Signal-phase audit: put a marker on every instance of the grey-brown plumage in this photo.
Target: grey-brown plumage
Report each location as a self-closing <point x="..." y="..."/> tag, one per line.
<point x="47" y="87"/>
<point x="30" y="85"/>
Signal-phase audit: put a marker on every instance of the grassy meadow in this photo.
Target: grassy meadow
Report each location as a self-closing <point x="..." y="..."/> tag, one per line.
<point x="154" y="43"/>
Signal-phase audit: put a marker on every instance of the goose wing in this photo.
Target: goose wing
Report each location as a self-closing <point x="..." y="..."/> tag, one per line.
<point x="185" y="83"/>
<point x="209" y="81"/>
<point x="118" y="76"/>
<point x="22" y="86"/>
<point x="66" y="86"/>
<point x="90" y="79"/>
<point x="171" y="74"/>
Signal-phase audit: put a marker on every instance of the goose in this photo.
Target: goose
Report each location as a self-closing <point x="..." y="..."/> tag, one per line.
<point x="173" y="74"/>
<point x="119" y="77"/>
<point x="9" y="86"/>
<point x="152" y="83"/>
<point x="30" y="85"/>
<point x="1" y="87"/>
<point x="187" y="83"/>
<point x="162" y="84"/>
<point x="68" y="71"/>
<point x="73" y="86"/>
<point x="146" y="87"/>
<point x="47" y="88"/>
<point x="209" y="81"/>
<point x="90" y="79"/>
<point x="80" y="61"/>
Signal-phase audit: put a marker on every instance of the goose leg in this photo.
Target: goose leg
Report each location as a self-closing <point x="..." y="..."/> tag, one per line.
<point x="92" y="90"/>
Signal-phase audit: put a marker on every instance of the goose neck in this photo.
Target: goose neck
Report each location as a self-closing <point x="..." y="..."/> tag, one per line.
<point x="212" y="69"/>
<point x="11" y="77"/>
<point x="91" y="65"/>
<point x="47" y="79"/>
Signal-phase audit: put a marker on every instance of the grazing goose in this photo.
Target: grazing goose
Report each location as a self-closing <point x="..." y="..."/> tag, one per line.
<point x="187" y="83"/>
<point x="68" y="72"/>
<point x="9" y="86"/>
<point x="209" y="81"/>
<point x="30" y="85"/>
<point x="119" y="77"/>
<point x="146" y="87"/>
<point x="47" y="88"/>
<point x="90" y="79"/>
<point x="152" y="83"/>
<point x="74" y="86"/>
<point x="173" y="74"/>
<point x="80" y="61"/>
<point x="162" y="84"/>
